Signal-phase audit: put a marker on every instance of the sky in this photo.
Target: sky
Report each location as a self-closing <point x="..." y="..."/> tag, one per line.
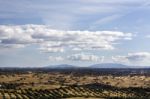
<point x="36" y="33"/>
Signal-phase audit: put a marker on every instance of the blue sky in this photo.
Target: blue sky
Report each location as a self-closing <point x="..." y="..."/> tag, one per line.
<point x="79" y="32"/>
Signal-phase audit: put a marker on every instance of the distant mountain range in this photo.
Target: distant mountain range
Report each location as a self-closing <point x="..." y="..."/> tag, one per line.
<point x="109" y="65"/>
<point x="103" y="65"/>
<point x="61" y="66"/>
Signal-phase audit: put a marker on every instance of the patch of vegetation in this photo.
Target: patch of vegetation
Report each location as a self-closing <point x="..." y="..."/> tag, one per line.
<point x="89" y="90"/>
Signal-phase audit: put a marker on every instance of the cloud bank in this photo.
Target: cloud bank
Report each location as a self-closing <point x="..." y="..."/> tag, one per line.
<point x="138" y="57"/>
<point x="85" y="57"/>
<point x="50" y="40"/>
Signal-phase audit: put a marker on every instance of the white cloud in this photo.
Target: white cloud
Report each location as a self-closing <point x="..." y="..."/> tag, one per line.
<point x="16" y="36"/>
<point x="140" y="56"/>
<point x="51" y="50"/>
<point x="9" y="46"/>
<point x="50" y="40"/>
<point x="85" y="57"/>
<point x="135" y="58"/>
<point x="78" y="57"/>
<point x="56" y="58"/>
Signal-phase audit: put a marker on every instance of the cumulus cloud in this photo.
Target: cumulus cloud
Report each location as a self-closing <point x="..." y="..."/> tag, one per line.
<point x="51" y="50"/>
<point x="138" y="56"/>
<point x="133" y="57"/>
<point x="9" y="46"/>
<point x="85" y="57"/>
<point x="50" y="40"/>
<point x="16" y="36"/>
